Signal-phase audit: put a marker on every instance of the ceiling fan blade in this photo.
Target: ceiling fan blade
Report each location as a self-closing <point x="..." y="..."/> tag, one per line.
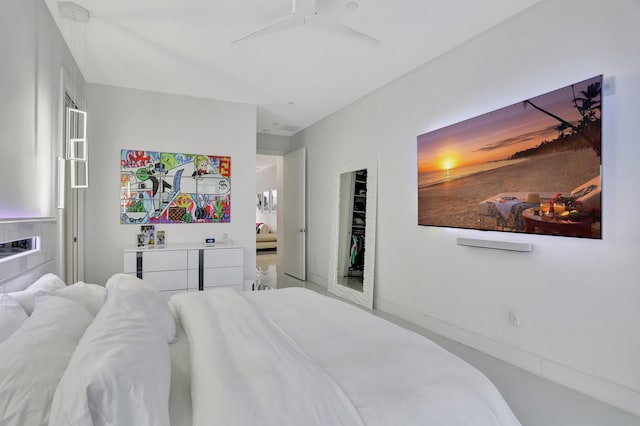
<point x="343" y="29"/>
<point x="303" y="13"/>
<point x="329" y="24"/>
<point x="282" y="24"/>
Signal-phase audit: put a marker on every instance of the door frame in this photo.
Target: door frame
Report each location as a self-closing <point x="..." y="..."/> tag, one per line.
<point x="282" y="216"/>
<point x="70" y="218"/>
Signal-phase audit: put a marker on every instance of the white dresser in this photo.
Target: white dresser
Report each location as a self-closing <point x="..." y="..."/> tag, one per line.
<point x="186" y="267"/>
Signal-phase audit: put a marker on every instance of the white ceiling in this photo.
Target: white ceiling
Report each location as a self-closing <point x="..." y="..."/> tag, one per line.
<point x="296" y="76"/>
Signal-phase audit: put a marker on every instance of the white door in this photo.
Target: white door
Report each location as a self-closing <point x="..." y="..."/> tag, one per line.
<point x="293" y="203"/>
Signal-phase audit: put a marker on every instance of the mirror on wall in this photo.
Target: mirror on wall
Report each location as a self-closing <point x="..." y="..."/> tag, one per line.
<point x="352" y="242"/>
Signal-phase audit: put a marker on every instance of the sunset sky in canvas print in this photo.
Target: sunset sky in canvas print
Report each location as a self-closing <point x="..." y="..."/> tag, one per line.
<point x="496" y="135"/>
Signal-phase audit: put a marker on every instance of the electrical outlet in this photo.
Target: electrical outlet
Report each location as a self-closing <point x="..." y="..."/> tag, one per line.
<point x="514" y="317"/>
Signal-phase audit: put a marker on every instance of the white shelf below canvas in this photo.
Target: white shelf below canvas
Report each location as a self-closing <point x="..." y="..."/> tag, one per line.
<point x="494" y="244"/>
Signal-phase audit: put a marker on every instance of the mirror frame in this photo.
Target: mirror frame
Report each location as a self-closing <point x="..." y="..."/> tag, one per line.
<point x="364" y="298"/>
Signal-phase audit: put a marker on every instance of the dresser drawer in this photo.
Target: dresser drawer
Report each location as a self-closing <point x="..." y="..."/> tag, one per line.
<point x="216" y="277"/>
<point x="167" y="280"/>
<point x="193" y="279"/>
<point x="130" y="262"/>
<point x="194" y="259"/>
<point x="164" y="260"/>
<point x="222" y="257"/>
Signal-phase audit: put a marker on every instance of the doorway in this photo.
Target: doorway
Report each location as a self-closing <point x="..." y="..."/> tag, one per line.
<point x="268" y="186"/>
<point x="286" y="265"/>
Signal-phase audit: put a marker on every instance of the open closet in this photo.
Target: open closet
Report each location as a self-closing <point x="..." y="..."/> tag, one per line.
<point x="354" y="207"/>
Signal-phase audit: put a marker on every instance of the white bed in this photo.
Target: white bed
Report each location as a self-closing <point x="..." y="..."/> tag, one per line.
<point x="279" y="357"/>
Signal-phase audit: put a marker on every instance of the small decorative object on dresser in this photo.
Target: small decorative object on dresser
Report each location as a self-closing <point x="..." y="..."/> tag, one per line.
<point x="149" y="235"/>
<point x="160" y="239"/>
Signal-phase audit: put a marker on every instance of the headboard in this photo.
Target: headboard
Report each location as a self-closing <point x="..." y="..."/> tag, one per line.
<point x="18" y="270"/>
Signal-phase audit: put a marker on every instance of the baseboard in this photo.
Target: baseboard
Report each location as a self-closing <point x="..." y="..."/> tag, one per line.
<point x="601" y="389"/>
<point x="317" y="279"/>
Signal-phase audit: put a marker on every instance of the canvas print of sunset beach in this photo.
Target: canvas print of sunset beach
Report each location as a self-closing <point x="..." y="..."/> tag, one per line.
<point x="532" y="167"/>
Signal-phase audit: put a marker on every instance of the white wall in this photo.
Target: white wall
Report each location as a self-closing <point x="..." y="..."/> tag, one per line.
<point x="32" y="51"/>
<point x="134" y="119"/>
<point x="578" y="298"/>
<point x="272" y="144"/>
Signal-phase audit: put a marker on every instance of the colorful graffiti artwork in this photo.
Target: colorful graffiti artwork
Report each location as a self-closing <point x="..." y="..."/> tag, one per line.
<point x="163" y="187"/>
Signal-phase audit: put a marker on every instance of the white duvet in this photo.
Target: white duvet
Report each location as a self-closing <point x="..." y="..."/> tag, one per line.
<point x="245" y="371"/>
<point x="294" y="357"/>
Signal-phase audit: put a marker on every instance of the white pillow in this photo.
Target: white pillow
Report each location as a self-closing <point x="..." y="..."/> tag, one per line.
<point x="12" y="315"/>
<point x="34" y="358"/>
<point x="155" y="305"/>
<point x="128" y="282"/>
<point x="121" y="371"/>
<point x="46" y="282"/>
<point x="91" y="296"/>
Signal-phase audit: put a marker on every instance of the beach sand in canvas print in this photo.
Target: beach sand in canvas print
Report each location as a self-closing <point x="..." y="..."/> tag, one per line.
<point x="548" y="144"/>
<point x="454" y="203"/>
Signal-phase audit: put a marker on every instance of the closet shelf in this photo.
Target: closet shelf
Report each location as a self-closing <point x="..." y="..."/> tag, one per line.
<point x="358" y="224"/>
